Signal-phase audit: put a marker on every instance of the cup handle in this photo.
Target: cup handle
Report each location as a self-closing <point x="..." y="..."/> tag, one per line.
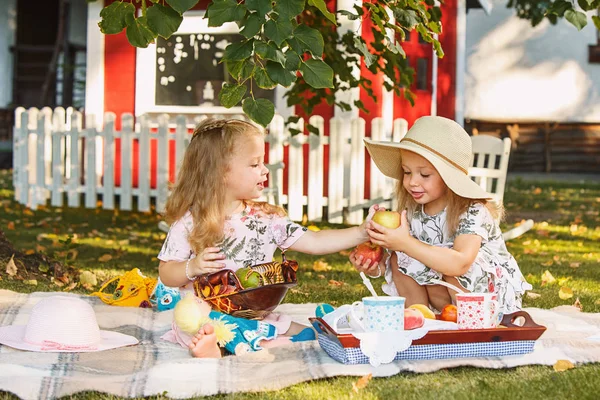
<point x="495" y="316"/>
<point x="355" y="317"/>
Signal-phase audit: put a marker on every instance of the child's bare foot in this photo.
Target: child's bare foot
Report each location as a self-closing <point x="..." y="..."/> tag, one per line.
<point x="204" y="343"/>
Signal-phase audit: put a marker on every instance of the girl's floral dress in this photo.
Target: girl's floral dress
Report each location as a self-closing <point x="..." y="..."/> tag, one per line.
<point x="251" y="237"/>
<point x="494" y="269"/>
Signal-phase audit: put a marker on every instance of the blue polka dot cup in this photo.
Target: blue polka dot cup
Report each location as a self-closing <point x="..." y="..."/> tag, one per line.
<point x="379" y="314"/>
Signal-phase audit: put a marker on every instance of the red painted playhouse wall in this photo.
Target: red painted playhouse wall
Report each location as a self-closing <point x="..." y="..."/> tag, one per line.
<point x="119" y="94"/>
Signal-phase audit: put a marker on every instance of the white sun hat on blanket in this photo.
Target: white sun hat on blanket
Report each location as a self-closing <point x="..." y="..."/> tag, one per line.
<point x="62" y="324"/>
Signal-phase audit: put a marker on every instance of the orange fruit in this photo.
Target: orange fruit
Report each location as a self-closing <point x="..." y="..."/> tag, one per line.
<point x="449" y="313"/>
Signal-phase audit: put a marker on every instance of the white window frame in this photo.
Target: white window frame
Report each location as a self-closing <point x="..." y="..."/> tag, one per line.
<point x="145" y="73"/>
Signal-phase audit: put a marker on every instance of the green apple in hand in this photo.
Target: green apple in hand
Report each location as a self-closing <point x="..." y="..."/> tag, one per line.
<point x="388" y="219"/>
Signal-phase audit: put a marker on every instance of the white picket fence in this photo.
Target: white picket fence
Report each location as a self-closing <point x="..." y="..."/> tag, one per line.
<point x="55" y="157"/>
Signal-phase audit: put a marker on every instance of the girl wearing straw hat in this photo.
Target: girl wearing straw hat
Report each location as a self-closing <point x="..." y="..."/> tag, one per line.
<point x="449" y="229"/>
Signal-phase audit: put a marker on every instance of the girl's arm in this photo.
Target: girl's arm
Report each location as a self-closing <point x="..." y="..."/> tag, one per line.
<point x="334" y="240"/>
<point x="174" y="274"/>
<point x="330" y="241"/>
<point x="454" y="261"/>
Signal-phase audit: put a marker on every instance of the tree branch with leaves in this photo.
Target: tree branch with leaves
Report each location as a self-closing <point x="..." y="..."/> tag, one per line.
<point x="296" y="43"/>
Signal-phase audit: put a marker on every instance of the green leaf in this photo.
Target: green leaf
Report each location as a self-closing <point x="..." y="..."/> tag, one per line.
<point x="559" y="7"/>
<point x="182" y="6"/>
<point x="320" y="4"/>
<point x="163" y="20"/>
<point x="239" y="51"/>
<point x="138" y="33"/>
<point x="262" y="79"/>
<point x="435" y="13"/>
<point x="252" y="25"/>
<point x="292" y="60"/>
<point x="262" y="7"/>
<point x="295" y="45"/>
<point x="310" y="40"/>
<point x="596" y="21"/>
<point x="114" y="17"/>
<point x="586" y="5"/>
<point x="406" y="18"/>
<point x="269" y="52"/>
<point x="231" y="94"/>
<point x="396" y="49"/>
<point x="240" y="70"/>
<point x="349" y="15"/>
<point x="317" y="74"/>
<point x="362" y="47"/>
<point x="278" y="31"/>
<point x="279" y="74"/>
<point x="288" y="9"/>
<point x="576" y="18"/>
<point x="260" y="111"/>
<point x="221" y="11"/>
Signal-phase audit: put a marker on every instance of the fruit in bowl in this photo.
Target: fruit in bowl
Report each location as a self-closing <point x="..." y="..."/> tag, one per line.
<point x="369" y="251"/>
<point x="251" y="292"/>
<point x="388" y="219"/>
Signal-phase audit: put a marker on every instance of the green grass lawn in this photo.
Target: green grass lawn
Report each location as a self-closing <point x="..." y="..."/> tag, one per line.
<point x="564" y="242"/>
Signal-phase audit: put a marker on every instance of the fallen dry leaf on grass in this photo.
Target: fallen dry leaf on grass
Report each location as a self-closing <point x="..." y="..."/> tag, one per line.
<point x="532" y="295"/>
<point x="11" y="267"/>
<point x="105" y="258"/>
<point x="88" y="278"/>
<point x="321" y="266"/>
<point x="361" y="383"/>
<point x="565" y="293"/>
<point x="10" y="226"/>
<point x="335" y="283"/>
<point x="574" y="265"/>
<point x="563" y="365"/>
<point x="547" y="278"/>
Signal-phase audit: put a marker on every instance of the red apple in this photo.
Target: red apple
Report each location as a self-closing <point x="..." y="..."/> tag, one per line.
<point x="388" y="219"/>
<point x="413" y="319"/>
<point x="369" y="251"/>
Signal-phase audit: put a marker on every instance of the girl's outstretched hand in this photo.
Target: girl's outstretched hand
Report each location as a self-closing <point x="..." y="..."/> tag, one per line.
<point x="372" y="210"/>
<point x="366" y="266"/>
<point x="207" y="262"/>
<point x="391" y="239"/>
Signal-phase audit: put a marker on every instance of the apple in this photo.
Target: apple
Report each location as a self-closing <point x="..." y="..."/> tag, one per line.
<point x="413" y="319"/>
<point x="388" y="219"/>
<point x="248" y="278"/>
<point x="369" y="251"/>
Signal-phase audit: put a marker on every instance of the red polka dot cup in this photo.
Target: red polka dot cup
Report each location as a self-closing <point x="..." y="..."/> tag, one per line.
<point x="477" y="310"/>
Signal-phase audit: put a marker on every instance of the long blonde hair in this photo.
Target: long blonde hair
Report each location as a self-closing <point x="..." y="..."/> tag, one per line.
<point x="456" y="206"/>
<point x="200" y="186"/>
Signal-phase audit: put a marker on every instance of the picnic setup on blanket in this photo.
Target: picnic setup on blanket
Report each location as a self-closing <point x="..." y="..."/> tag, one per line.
<point x="156" y="367"/>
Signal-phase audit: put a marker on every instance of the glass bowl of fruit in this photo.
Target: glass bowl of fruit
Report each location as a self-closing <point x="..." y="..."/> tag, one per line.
<point x="251" y="292"/>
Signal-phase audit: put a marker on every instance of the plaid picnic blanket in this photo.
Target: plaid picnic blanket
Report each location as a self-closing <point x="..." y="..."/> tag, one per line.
<point x="157" y="367"/>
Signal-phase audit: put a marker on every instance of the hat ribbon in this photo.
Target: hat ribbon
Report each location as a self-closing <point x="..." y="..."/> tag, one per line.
<point x="50" y="345"/>
<point x="437" y="153"/>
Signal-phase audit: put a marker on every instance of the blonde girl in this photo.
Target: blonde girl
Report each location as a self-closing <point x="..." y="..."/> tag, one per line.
<point x="449" y="227"/>
<point x="216" y="220"/>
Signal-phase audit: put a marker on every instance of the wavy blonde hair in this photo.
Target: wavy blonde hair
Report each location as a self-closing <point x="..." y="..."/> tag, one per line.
<point x="200" y="186"/>
<point x="456" y="206"/>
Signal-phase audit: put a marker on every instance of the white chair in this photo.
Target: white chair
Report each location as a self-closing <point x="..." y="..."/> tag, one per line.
<point x="489" y="169"/>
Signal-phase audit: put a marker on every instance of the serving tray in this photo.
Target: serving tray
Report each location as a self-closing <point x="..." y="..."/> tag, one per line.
<point x="510" y="339"/>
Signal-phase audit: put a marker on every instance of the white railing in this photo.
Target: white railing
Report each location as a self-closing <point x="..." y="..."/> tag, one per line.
<point x="55" y="156"/>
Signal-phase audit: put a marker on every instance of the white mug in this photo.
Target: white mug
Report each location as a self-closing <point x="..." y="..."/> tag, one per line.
<point x="378" y="314"/>
<point x="477" y="310"/>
